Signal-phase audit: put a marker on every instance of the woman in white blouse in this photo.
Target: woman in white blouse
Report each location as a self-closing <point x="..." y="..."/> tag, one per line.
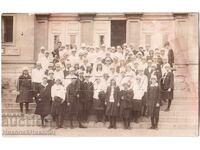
<point x="58" y="98"/>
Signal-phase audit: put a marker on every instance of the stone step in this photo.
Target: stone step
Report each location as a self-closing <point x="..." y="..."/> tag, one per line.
<point x="92" y="124"/>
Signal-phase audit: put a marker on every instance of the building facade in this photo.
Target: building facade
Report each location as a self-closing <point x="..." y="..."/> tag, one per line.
<point x="24" y="34"/>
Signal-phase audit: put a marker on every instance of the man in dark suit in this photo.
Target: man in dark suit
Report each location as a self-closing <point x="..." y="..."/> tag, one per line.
<point x="170" y="54"/>
<point x="87" y="89"/>
<point x="56" y="51"/>
<point x="167" y="85"/>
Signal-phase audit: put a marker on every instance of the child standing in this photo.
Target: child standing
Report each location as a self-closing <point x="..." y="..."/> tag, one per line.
<point x="153" y="103"/>
<point x="112" y="103"/>
<point x="126" y="96"/>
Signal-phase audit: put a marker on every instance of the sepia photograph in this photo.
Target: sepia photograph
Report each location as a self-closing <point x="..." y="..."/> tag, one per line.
<point x="94" y="74"/>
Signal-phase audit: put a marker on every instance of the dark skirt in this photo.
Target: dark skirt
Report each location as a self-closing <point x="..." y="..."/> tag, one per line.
<point x="25" y="96"/>
<point x="136" y="105"/>
<point x="98" y="104"/>
<point x="75" y="107"/>
<point x="57" y="107"/>
<point x="125" y="109"/>
<point x="112" y="109"/>
<point x="43" y="107"/>
<point x="165" y="94"/>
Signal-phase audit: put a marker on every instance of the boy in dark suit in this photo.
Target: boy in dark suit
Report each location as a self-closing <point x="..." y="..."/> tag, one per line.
<point x="167" y="85"/>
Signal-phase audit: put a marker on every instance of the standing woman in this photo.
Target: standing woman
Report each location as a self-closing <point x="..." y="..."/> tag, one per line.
<point x="43" y="100"/>
<point x="99" y="100"/>
<point x="153" y="103"/>
<point x="58" y="98"/>
<point x="139" y="88"/>
<point x="112" y="103"/>
<point x="167" y="85"/>
<point x="126" y="96"/>
<point x="24" y="90"/>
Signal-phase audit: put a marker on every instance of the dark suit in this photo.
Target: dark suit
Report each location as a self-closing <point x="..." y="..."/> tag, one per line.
<point x="170" y="57"/>
<point x="86" y="97"/>
<point x="167" y="82"/>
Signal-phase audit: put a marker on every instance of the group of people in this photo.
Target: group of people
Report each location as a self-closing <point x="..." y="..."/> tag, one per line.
<point x="113" y="83"/>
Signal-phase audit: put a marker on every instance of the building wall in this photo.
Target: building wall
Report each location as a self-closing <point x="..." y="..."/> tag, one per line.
<point x="22" y="49"/>
<point x="20" y="53"/>
<point x="33" y="31"/>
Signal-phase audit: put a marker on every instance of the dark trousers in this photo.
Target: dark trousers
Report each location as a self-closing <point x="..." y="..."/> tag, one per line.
<point x="59" y="120"/>
<point x="86" y="110"/>
<point x="154" y="121"/>
<point x="26" y="107"/>
<point x="136" y="115"/>
<point x="99" y="115"/>
<point x="169" y="103"/>
<point x="127" y="122"/>
<point x="112" y="120"/>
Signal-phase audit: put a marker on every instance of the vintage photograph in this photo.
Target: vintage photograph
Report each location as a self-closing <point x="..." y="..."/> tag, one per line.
<point x="100" y="74"/>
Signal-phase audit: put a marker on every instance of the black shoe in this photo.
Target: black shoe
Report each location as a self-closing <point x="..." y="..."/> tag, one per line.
<point x="167" y="109"/>
<point x="129" y="128"/>
<point x="152" y="127"/>
<point x="110" y="127"/>
<point x="46" y="120"/>
<point x="81" y="126"/>
<point x="114" y="127"/>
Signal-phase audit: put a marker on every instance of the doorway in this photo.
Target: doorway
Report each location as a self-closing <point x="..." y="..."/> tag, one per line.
<point x="118" y="32"/>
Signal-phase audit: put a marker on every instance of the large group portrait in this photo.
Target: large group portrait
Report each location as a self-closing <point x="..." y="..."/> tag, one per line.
<point x="100" y="74"/>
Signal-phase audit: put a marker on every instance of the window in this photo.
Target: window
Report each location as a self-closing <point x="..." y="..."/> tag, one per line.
<point x="7" y="29"/>
<point x="101" y="40"/>
<point x="148" y="39"/>
<point x="72" y="39"/>
<point x="56" y="40"/>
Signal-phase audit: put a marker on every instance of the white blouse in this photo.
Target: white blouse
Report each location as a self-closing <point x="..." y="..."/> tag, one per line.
<point x="58" y="90"/>
<point x="111" y="99"/>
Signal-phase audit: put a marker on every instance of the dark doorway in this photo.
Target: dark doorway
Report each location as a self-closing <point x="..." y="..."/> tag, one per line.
<point x="118" y="32"/>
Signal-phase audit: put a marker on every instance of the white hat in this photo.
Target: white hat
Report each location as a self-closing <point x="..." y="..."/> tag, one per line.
<point x="38" y="63"/>
<point x="122" y="70"/>
<point x="44" y="77"/>
<point x="166" y="65"/>
<point x="50" y="72"/>
<point x="154" y="65"/>
<point x="153" y="77"/>
<point x="83" y="45"/>
<point x="42" y="48"/>
<point x="25" y="68"/>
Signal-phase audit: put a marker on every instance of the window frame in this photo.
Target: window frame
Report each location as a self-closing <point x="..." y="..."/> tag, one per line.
<point x="14" y="31"/>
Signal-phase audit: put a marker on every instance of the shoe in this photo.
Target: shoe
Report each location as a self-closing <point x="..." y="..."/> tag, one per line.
<point x="114" y="127"/>
<point x="167" y="109"/>
<point x="46" y="120"/>
<point x="152" y="127"/>
<point x="81" y="126"/>
<point x="129" y="128"/>
<point x="110" y="127"/>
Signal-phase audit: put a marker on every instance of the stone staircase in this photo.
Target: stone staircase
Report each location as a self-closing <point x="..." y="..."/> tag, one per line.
<point x="183" y="113"/>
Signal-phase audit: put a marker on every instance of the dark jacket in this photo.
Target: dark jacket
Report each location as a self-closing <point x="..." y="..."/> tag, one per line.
<point x="167" y="81"/>
<point x="25" y="88"/>
<point x="170" y="57"/>
<point x="153" y="99"/>
<point x="43" y="100"/>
